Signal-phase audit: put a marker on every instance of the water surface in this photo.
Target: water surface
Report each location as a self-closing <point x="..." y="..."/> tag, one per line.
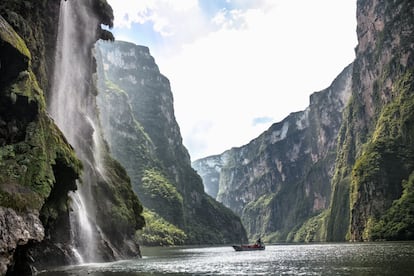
<point x="306" y="259"/>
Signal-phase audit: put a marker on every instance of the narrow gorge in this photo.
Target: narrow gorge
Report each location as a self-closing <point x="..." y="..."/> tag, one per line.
<point x="282" y="178"/>
<point x="93" y="166"/>
<point x="342" y="170"/>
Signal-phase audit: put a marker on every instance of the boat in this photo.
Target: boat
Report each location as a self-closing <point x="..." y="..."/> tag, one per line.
<point x="249" y="247"/>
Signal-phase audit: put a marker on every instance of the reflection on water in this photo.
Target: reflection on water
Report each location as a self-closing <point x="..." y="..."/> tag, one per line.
<point x="307" y="259"/>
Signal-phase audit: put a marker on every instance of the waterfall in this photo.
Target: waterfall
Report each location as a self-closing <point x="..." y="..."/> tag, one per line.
<point x="79" y="218"/>
<point x="72" y="106"/>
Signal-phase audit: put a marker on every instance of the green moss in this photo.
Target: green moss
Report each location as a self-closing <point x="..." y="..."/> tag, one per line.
<point x="8" y="35"/>
<point x="150" y="148"/>
<point x="126" y="211"/>
<point x="339" y="216"/>
<point x="383" y="158"/>
<point x="213" y="223"/>
<point x="113" y="88"/>
<point x="157" y="186"/>
<point x="276" y="236"/>
<point x="261" y="203"/>
<point x="312" y="230"/>
<point x="159" y="232"/>
<point x="398" y="221"/>
<point x="29" y="165"/>
<point x="387" y="157"/>
<point x="28" y="157"/>
<point x="256" y="215"/>
<point x="159" y="195"/>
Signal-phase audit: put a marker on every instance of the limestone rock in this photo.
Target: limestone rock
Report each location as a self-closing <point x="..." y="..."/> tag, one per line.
<point x="282" y="178"/>
<point x="138" y="119"/>
<point x="17" y="229"/>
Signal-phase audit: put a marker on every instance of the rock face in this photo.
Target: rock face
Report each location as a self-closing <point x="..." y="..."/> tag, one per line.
<point x="372" y="175"/>
<point x="38" y="167"/>
<point x="17" y="229"/>
<point x="373" y="185"/>
<point x="282" y="178"/>
<point x="137" y="114"/>
<point x="32" y="150"/>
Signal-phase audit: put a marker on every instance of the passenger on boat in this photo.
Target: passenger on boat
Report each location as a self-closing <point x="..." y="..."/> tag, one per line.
<point x="258" y="243"/>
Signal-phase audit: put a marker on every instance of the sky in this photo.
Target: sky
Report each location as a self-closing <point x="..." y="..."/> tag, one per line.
<point x="237" y="66"/>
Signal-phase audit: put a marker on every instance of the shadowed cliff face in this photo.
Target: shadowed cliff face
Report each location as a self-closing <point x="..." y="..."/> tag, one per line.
<point x="282" y="178"/>
<point x="136" y="104"/>
<point x="105" y="211"/>
<point x="37" y="165"/>
<point x="375" y="157"/>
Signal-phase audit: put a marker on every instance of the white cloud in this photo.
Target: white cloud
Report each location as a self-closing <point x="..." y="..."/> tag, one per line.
<point x="162" y="13"/>
<point x="259" y="59"/>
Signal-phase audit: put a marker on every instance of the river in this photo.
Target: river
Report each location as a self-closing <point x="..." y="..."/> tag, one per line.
<point x="388" y="258"/>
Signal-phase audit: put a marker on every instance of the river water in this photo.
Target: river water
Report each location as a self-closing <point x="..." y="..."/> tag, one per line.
<point x="389" y="258"/>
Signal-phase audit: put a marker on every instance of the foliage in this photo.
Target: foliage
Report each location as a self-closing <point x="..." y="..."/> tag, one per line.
<point x="312" y="230"/>
<point x="213" y="223"/>
<point x="138" y="121"/>
<point x="376" y="147"/>
<point x="387" y="158"/>
<point x="159" y="232"/>
<point x="398" y="221"/>
<point x="160" y="196"/>
<point x="28" y="158"/>
<point x="29" y="21"/>
<point x="125" y="212"/>
<point x="10" y="36"/>
<point x="157" y="186"/>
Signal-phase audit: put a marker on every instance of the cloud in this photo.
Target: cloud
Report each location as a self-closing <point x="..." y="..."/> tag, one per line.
<point x="230" y="62"/>
<point x="262" y="120"/>
<point x="141" y="11"/>
<point x="166" y="16"/>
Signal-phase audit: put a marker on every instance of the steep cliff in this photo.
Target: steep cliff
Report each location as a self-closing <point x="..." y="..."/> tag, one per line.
<point x="372" y="184"/>
<point x="38" y="167"/>
<point x="137" y="114"/>
<point x="372" y="188"/>
<point x="282" y="178"/>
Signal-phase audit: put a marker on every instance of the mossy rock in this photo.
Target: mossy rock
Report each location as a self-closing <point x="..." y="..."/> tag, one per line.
<point x="159" y="232"/>
<point x="159" y="195"/>
<point x="312" y="230"/>
<point x="30" y="143"/>
<point x="14" y="54"/>
<point x="9" y="36"/>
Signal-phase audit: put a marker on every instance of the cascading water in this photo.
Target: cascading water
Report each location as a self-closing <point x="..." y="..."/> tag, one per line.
<point x="72" y="105"/>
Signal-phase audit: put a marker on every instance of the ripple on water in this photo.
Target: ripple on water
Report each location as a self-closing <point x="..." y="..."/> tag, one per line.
<point x="299" y="259"/>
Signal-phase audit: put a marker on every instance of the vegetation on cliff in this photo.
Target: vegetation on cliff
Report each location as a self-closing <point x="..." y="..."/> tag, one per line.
<point x="159" y="232"/>
<point x="281" y="179"/>
<point x="398" y="221"/>
<point x="372" y="179"/>
<point x="31" y="146"/>
<point x="376" y="142"/>
<point x="137" y="115"/>
<point x="38" y="167"/>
